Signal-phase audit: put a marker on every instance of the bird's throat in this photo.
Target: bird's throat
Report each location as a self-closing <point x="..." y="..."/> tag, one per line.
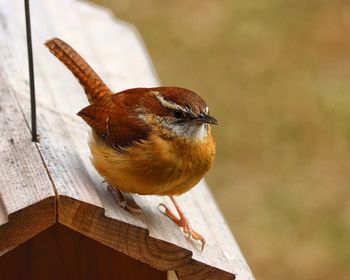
<point x="190" y="131"/>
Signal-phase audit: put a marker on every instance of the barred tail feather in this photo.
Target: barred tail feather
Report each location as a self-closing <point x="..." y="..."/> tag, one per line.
<point x="93" y="85"/>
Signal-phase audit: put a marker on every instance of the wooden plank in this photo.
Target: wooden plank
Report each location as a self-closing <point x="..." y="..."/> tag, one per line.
<point x="61" y="253"/>
<point x="27" y="199"/>
<point x="115" y="51"/>
<point x="135" y="241"/>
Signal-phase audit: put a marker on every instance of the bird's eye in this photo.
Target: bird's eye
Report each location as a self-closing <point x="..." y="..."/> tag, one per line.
<point x="178" y="114"/>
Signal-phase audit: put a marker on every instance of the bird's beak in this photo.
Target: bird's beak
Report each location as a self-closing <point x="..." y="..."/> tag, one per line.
<point x="202" y="118"/>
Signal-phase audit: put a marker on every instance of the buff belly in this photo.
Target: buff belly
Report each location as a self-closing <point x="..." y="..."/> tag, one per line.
<point x="155" y="166"/>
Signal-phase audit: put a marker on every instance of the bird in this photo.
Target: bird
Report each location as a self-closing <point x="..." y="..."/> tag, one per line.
<point x="146" y="141"/>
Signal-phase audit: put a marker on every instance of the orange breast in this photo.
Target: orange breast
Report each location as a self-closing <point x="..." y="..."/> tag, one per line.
<point x="155" y="166"/>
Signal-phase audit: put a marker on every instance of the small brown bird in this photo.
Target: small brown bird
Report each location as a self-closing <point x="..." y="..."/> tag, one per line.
<point x="149" y="141"/>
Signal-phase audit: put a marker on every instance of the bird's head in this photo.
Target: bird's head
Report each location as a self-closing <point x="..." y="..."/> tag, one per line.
<point x="178" y="112"/>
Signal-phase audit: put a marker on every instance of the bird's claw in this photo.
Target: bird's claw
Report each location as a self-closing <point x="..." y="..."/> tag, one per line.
<point x="131" y="207"/>
<point x="183" y="223"/>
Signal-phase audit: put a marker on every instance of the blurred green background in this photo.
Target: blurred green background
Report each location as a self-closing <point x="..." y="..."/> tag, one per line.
<point x="276" y="74"/>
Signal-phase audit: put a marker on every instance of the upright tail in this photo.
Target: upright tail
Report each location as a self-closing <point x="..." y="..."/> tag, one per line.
<point x="93" y="85"/>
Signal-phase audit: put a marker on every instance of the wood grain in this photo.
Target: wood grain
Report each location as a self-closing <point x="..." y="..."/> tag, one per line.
<point x="27" y="199"/>
<point x="116" y="53"/>
<point x="61" y="253"/>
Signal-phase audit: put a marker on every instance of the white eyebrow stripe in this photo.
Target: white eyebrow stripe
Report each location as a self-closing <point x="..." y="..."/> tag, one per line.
<point x="166" y="103"/>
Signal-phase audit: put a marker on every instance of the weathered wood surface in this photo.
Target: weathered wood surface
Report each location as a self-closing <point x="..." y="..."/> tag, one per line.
<point x="116" y="53"/>
<point x="72" y="256"/>
<point x="27" y="199"/>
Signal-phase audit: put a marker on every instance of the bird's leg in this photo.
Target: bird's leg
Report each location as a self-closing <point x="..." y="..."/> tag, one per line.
<point x="182" y="221"/>
<point x="130" y="206"/>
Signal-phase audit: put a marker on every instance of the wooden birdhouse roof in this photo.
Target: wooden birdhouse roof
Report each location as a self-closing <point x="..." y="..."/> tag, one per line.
<point x="53" y="181"/>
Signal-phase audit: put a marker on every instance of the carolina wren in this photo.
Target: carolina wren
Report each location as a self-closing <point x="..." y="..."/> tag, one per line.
<point x="149" y="141"/>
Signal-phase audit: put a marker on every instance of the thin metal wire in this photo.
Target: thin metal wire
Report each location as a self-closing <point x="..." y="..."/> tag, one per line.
<point x="31" y="72"/>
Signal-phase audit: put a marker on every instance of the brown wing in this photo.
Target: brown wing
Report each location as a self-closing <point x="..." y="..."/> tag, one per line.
<point x="115" y="119"/>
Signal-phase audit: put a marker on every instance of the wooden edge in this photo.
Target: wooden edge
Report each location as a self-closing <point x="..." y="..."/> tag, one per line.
<point x="26" y="223"/>
<point x="133" y="241"/>
<point x="27" y="200"/>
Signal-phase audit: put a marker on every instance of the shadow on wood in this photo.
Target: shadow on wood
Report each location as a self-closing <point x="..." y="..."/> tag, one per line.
<point x="61" y="253"/>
